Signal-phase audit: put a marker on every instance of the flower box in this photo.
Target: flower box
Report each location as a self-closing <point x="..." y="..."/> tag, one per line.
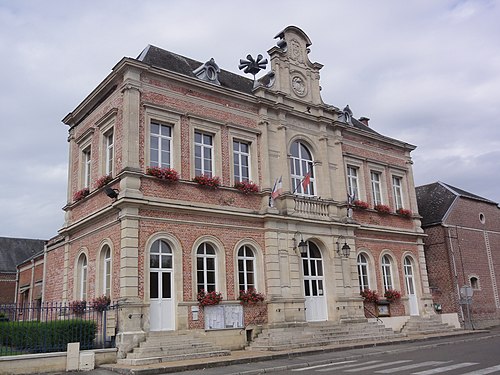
<point x="250" y="297"/>
<point x="360" y="204"/>
<point x="392" y="295"/>
<point x="382" y="208"/>
<point x="212" y="182"/>
<point x="369" y="295"/>
<point x="404" y="212"/>
<point x="247" y="187"/>
<point x="101" y="303"/>
<point x="80" y="194"/>
<point x="208" y="298"/>
<point x="78" y="307"/>
<point x="167" y="174"/>
<point x="103" y="181"/>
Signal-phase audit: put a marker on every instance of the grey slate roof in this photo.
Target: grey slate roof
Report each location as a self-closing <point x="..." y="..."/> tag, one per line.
<point x="163" y="59"/>
<point x="14" y="251"/>
<point x="434" y="201"/>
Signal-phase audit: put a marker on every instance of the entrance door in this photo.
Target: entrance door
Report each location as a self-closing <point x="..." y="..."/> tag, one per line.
<point x="314" y="292"/>
<point x="410" y="286"/>
<point x="161" y="287"/>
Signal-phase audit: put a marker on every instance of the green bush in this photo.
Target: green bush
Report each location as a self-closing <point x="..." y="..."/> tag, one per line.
<point x="33" y="336"/>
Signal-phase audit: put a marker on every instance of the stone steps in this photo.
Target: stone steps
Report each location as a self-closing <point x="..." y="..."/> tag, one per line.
<point x="320" y="334"/>
<point x="421" y="326"/>
<point x="171" y="346"/>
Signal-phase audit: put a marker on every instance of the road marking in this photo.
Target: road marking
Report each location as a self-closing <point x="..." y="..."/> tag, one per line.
<point x="410" y="367"/>
<point x="485" y="371"/>
<point x="446" y="368"/>
<point x="348" y="366"/>
<point x="385" y="364"/>
<point x="325" y="365"/>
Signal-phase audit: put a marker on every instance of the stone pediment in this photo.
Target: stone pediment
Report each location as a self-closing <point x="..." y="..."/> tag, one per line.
<point x="296" y="75"/>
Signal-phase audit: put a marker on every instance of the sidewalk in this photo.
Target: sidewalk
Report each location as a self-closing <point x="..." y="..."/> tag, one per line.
<point x="247" y="356"/>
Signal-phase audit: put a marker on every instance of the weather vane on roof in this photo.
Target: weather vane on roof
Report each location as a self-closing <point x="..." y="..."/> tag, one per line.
<point x="253" y="66"/>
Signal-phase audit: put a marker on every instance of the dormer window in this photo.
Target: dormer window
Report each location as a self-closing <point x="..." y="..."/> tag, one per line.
<point x="208" y="72"/>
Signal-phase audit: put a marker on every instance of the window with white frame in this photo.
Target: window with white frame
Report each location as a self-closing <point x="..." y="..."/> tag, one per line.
<point x="352" y="181"/>
<point x="241" y="161"/>
<point x="205" y="268"/>
<point x="364" y="280"/>
<point x="81" y="277"/>
<point x="203" y="154"/>
<point x="109" y="145"/>
<point x="376" y="187"/>
<point x="246" y="268"/>
<point x="397" y="188"/>
<point x="106" y="271"/>
<point x="387" y="272"/>
<point x="302" y="169"/>
<point x="86" y="167"/>
<point x="160" y="145"/>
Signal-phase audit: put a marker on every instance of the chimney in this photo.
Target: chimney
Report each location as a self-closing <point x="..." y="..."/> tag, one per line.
<point x="364" y="120"/>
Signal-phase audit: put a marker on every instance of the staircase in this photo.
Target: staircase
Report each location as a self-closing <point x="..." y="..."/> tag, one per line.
<point x="171" y="346"/>
<point x="418" y="325"/>
<point x="304" y="335"/>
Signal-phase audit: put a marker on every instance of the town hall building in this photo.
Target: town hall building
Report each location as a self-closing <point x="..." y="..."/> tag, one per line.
<point x="189" y="181"/>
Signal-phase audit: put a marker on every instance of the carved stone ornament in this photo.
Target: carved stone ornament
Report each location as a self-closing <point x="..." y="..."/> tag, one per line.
<point x="299" y="86"/>
<point x="296" y="51"/>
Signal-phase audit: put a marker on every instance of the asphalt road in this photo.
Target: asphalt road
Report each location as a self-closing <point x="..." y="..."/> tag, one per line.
<point x="477" y="354"/>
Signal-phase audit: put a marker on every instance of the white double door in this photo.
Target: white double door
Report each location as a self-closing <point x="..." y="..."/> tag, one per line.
<point x="314" y="285"/>
<point x="161" y="287"/>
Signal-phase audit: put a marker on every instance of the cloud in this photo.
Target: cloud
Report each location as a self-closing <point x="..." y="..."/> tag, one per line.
<point x="425" y="72"/>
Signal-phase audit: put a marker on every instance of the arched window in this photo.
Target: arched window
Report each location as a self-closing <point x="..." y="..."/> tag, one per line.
<point x="364" y="280"/>
<point x="302" y="170"/>
<point x="246" y="268"/>
<point x="106" y="271"/>
<point x="205" y="268"/>
<point x="474" y="282"/>
<point x="81" y="277"/>
<point x="387" y="272"/>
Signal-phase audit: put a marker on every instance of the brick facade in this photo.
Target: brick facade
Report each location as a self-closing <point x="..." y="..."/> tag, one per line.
<point x="464" y="245"/>
<point x="160" y="87"/>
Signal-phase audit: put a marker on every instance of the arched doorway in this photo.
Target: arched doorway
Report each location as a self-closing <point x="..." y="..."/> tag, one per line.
<point x="314" y="292"/>
<point x="161" y="280"/>
<point x="410" y="286"/>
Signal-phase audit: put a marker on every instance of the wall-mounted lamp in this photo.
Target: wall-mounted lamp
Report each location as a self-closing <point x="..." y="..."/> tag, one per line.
<point x="345" y="250"/>
<point x="302" y="245"/>
<point x="112" y="193"/>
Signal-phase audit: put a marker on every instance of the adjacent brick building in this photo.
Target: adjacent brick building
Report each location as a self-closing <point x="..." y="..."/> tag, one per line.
<point x="152" y="242"/>
<point x="462" y="250"/>
<point x="13" y="251"/>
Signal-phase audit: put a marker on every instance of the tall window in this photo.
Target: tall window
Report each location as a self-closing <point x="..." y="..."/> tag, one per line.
<point x="301" y="169"/>
<point x="205" y="268"/>
<point x="106" y="271"/>
<point x="109" y="147"/>
<point x="86" y="167"/>
<point x="203" y="154"/>
<point x="246" y="268"/>
<point x="387" y="272"/>
<point x="160" y="143"/>
<point x="364" y="282"/>
<point x="352" y="181"/>
<point x="376" y="188"/>
<point x="241" y="160"/>
<point x="397" y="188"/>
<point x="81" y="281"/>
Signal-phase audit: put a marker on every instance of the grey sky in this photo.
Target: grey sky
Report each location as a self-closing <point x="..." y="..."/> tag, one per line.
<point x="426" y="72"/>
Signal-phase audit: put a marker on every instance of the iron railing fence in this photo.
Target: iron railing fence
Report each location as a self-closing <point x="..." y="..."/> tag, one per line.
<point x="49" y="327"/>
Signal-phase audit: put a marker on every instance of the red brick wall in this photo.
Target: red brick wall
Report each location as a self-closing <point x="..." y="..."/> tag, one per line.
<point x="7" y="287"/>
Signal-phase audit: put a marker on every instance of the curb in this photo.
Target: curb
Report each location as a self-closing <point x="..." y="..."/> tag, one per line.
<point x="165" y="369"/>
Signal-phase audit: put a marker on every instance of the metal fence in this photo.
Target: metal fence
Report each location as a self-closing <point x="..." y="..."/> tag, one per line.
<point x="50" y="327"/>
